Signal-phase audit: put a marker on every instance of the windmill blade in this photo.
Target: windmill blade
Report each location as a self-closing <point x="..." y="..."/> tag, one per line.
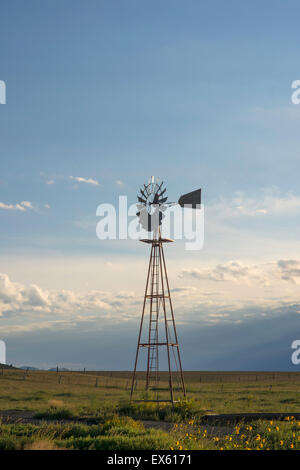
<point x="155" y="199"/>
<point x="143" y="194"/>
<point x="161" y="201"/>
<point x="146" y="189"/>
<point x="192" y="199"/>
<point x="160" y="194"/>
<point x="159" y="187"/>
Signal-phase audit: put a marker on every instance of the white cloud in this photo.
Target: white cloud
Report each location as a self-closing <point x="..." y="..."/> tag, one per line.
<point x="289" y="270"/>
<point x="9" y="292"/>
<point x="218" y="315"/>
<point x="253" y="287"/>
<point x="16" y="207"/>
<point x="35" y="297"/>
<point x="26" y="204"/>
<point x="234" y="271"/>
<point x="19" y="298"/>
<point x="119" y="183"/>
<point x="80" y="179"/>
<point x="227" y="292"/>
<point x="21" y="206"/>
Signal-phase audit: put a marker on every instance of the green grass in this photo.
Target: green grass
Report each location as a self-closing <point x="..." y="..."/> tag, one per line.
<point x="181" y="411"/>
<point x="102" y="398"/>
<point x="118" y="433"/>
<point x="55" y="413"/>
<point x="219" y="392"/>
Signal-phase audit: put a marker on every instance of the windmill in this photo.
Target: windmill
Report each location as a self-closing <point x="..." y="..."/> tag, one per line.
<point x="157" y="332"/>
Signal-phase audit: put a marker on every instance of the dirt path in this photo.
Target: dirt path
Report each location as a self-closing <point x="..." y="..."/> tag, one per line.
<point x="23" y="416"/>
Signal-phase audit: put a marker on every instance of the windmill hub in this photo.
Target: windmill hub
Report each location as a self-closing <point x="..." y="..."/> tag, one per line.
<point x="151" y="205"/>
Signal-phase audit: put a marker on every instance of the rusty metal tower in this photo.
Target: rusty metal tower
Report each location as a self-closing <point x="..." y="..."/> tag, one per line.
<point x="157" y="334"/>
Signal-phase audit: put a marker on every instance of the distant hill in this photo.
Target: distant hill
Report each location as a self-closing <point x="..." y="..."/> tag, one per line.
<point x="53" y="369"/>
<point x="6" y="366"/>
<point x="60" y="369"/>
<point x="28" y="368"/>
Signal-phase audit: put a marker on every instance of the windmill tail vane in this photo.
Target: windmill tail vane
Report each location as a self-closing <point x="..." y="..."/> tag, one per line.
<point x="157" y="337"/>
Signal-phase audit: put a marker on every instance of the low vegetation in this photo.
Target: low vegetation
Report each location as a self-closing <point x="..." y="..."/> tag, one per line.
<point x="118" y="433"/>
<point x="73" y="410"/>
<point x="179" y="412"/>
<point x="258" y="435"/>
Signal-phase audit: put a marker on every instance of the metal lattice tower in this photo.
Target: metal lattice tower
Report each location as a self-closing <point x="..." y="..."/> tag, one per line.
<point x="159" y="329"/>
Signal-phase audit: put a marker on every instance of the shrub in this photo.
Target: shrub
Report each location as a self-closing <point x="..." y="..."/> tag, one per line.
<point x="54" y="413"/>
<point x="180" y="411"/>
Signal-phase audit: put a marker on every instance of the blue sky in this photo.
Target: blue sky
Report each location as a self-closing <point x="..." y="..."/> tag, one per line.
<point x="198" y="93"/>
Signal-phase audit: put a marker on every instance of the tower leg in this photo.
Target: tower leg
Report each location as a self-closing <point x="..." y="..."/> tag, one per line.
<point x="174" y="326"/>
<point x="141" y="326"/>
<point x="166" y="322"/>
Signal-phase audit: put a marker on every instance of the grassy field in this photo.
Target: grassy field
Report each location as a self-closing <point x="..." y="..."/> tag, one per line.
<point x="91" y="410"/>
<point x="81" y="393"/>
